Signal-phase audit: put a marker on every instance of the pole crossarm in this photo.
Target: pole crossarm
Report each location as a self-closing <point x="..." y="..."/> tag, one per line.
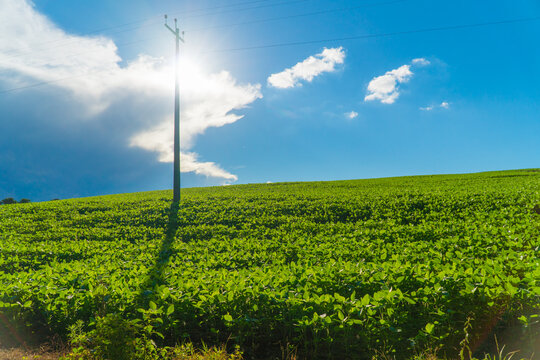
<point x="175" y="31"/>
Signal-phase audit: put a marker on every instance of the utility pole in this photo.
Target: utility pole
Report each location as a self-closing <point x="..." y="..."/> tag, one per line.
<point x="176" y="166"/>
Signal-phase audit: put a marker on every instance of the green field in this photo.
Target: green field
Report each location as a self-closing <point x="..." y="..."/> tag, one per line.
<point x="346" y="269"/>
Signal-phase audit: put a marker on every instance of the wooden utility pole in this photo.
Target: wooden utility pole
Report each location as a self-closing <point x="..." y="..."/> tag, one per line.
<point x="176" y="166"/>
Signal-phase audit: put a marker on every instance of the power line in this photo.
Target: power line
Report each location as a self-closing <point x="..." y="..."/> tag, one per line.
<point x="50" y="82"/>
<point x="153" y="22"/>
<point x="297" y="43"/>
<point x="183" y="12"/>
<point x="368" y="36"/>
<point x="124" y="44"/>
<point x="243" y="23"/>
<point x="247" y="8"/>
<point x="321" y="12"/>
<point x="95" y="31"/>
<point x="214" y="13"/>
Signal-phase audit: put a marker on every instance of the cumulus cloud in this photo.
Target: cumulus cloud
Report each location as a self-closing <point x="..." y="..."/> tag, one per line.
<point x="445" y="105"/>
<point x="309" y="68"/>
<point x="385" y="88"/>
<point x="208" y="104"/>
<point x="351" y="114"/>
<point x="96" y="79"/>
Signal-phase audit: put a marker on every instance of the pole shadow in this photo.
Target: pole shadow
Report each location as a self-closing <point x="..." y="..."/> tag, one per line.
<point x="155" y="276"/>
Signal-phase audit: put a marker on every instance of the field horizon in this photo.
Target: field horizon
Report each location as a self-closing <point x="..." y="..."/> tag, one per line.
<point x="297" y="182"/>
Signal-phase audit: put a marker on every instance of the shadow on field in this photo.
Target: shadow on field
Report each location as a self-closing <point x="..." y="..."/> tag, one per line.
<point x="155" y="274"/>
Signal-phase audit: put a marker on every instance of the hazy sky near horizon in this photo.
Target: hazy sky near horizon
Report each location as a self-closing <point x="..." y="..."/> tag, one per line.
<point x="271" y="90"/>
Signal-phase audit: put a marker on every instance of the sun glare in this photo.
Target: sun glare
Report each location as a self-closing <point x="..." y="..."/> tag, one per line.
<point x="190" y="72"/>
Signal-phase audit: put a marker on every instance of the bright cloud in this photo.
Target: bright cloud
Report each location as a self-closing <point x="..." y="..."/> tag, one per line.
<point x="351" y="115"/>
<point x="445" y="105"/>
<point x="385" y="88"/>
<point x="208" y="104"/>
<point x="309" y="68"/>
<point x="94" y="78"/>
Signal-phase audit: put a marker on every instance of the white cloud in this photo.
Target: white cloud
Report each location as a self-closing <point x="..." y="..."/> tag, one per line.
<point x="190" y="164"/>
<point x="309" y="68"/>
<point x="351" y="114"/>
<point x="160" y="140"/>
<point x="444" y="105"/>
<point x="420" y="62"/>
<point x="385" y="87"/>
<point x="95" y="79"/>
<point x="207" y="101"/>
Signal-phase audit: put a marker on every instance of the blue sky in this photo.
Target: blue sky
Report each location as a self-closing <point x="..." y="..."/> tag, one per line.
<point x="450" y="101"/>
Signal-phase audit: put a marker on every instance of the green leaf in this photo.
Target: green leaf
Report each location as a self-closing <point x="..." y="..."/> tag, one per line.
<point x="365" y="300"/>
<point x="227" y="317"/>
<point x="429" y="328"/>
<point x="170" y="309"/>
<point x="409" y="300"/>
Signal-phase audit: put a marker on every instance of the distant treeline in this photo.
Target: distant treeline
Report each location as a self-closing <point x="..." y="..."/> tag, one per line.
<point x="7" y="201"/>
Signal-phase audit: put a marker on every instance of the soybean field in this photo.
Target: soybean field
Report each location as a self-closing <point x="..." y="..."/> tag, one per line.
<point x="357" y="269"/>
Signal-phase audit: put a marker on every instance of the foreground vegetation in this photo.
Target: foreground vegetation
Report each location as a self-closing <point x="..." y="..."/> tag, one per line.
<point x="349" y="269"/>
